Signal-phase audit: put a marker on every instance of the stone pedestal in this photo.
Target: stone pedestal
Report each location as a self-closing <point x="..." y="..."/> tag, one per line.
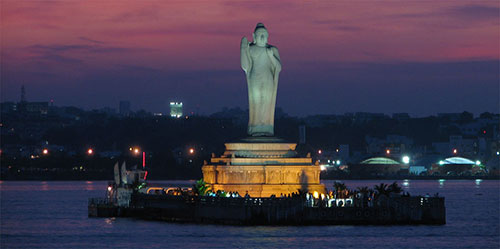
<point x="263" y="167"/>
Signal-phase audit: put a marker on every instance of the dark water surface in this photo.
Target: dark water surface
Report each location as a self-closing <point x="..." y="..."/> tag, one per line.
<point x="54" y="215"/>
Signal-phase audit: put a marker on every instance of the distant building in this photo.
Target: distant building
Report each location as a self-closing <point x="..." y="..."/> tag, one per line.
<point x="457" y="145"/>
<point x="125" y="108"/>
<point x="378" y="166"/>
<point x="393" y="145"/>
<point x="401" y="116"/>
<point x="343" y="152"/>
<point x="322" y="120"/>
<point x="302" y="134"/>
<point x="457" y="166"/>
<point x="450" y="116"/>
<point x="108" y="110"/>
<point x="418" y="170"/>
<point x="37" y="108"/>
<point x="363" y="117"/>
<point x="8" y="107"/>
<point x="175" y="109"/>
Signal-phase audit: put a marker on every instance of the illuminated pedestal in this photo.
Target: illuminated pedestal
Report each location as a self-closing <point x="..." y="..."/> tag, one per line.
<point x="262" y="169"/>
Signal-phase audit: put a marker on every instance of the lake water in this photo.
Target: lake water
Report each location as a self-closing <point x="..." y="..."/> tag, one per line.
<point x="54" y="215"/>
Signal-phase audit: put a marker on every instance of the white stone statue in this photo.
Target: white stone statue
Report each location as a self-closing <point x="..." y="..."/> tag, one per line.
<point x="261" y="63"/>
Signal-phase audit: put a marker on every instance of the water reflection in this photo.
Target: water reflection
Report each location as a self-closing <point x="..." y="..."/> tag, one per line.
<point x="478" y="183"/>
<point x="110" y="221"/>
<point x="45" y="186"/>
<point x="89" y="186"/>
<point x="406" y="184"/>
<point x="441" y="183"/>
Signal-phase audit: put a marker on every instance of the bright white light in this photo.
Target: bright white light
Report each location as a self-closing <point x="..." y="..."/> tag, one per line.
<point x="441" y="162"/>
<point x="478" y="162"/>
<point x="110" y="188"/>
<point x="322" y="167"/>
<point x="406" y="183"/>
<point x="338" y="162"/>
<point x="406" y="159"/>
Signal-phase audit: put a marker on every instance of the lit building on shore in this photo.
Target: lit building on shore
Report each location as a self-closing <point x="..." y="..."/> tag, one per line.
<point x="175" y="109"/>
<point x="457" y="166"/>
<point x="378" y="166"/>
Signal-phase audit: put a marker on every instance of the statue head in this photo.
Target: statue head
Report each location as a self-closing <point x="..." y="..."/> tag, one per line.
<point x="260" y="35"/>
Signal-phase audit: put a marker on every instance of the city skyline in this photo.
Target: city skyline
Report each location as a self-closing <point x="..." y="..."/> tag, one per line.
<point x="388" y="57"/>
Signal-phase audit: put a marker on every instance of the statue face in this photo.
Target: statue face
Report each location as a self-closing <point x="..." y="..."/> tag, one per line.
<point x="260" y="37"/>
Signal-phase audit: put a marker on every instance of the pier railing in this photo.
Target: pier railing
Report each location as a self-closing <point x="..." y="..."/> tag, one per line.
<point x="393" y="201"/>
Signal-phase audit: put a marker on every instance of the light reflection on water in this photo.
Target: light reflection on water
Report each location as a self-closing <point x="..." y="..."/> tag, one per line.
<point x="54" y="215"/>
<point x="406" y="184"/>
<point x="478" y="183"/>
<point x="441" y="183"/>
<point x="89" y="186"/>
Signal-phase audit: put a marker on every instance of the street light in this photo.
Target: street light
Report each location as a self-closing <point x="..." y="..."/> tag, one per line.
<point x="319" y="151"/>
<point x="406" y="159"/>
<point x="45" y="151"/>
<point x="90" y="151"/>
<point x="191" y="151"/>
<point x="387" y="151"/>
<point x="455" y="151"/>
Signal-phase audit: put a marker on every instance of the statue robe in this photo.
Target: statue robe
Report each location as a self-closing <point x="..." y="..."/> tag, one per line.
<point x="262" y="81"/>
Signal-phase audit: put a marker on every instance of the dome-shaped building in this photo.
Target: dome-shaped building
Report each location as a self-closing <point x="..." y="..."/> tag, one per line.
<point x="457" y="166"/>
<point x="377" y="166"/>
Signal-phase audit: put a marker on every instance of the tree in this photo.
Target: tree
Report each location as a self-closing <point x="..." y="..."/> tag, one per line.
<point x="394" y="188"/>
<point x="381" y="189"/>
<point x="340" y="189"/>
<point x="363" y="190"/>
<point x="200" y="187"/>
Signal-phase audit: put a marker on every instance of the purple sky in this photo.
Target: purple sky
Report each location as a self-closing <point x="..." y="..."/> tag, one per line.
<point x="421" y="57"/>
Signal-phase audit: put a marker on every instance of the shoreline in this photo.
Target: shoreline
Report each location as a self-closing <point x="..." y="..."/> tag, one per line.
<point x="327" y="179"/>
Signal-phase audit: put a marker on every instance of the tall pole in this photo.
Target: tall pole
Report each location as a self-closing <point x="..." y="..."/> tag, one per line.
<point x="143" y="160"/>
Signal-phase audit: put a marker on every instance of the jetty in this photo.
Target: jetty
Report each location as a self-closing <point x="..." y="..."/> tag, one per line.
<point x="183" y="205"/>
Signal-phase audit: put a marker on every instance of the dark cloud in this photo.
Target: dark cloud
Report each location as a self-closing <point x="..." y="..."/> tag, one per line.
<point x="474" y="12"/>
<point x="143" y="14"/>
<point x="91" y="40"/>
<point x="340" y="25"/>
<point x="466" y="15"/>
<point x="68" y="54"/>
<point x="55" y="48"/>
<point x="179" y="30"/>
<point x="60" y="59"/>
